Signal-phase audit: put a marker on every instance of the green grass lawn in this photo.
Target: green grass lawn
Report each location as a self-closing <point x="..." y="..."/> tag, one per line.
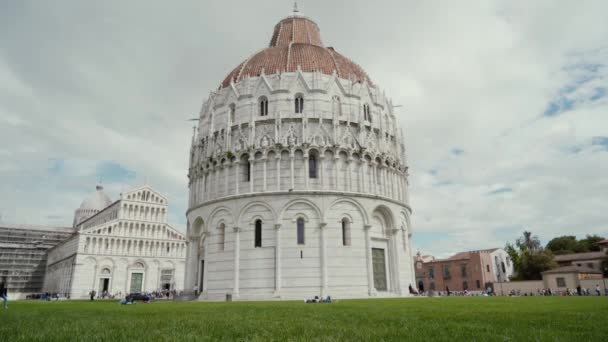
<point x="428" y="319"/>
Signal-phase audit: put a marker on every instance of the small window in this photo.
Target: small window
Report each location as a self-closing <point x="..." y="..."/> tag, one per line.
<point x="222" y="236"/>
<point x="300" y="228"/>
<point x="247" y="171"/>
<point x="312" y="166"/>
<point x="337" y="105"/>
<point x="463" y="270"/>
<point x="446" y="271"/>
<point x="367" y="115"/>
<point x="345" y="232"/>
<point x="465" y="286"/>
<point x="263" y="106"/>
<point x="488" y="268"/>
<point x="561" y="282"/>
<point x="478" y="284"/>
<point x="299" y="103"/>
<point x="232" y="112"/>
<point x="432" y="273"/>
<point x="258" y="234"/>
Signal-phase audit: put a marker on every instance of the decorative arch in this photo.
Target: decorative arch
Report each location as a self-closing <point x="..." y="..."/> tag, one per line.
<point x="198" y="227"/>
<point x="138" y="263"/>
<point x="218" y="211"/>
<point x="304" y="201"/>
<point x="353" y="202"/>
<point x="263" y="204"/>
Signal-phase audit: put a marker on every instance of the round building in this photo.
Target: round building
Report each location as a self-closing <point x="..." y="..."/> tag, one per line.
<point x="298" y="179"/>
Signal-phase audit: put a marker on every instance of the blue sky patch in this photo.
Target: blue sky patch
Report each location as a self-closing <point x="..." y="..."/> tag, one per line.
<point x="599" y="93"/>
<point x="558" y="106"/>
<point x="457" y="151"/>
<point x="502" y="190"/>
<point x="55" y="166"/>
<point x="601" y="142"/>
<point x="110" y="171"/>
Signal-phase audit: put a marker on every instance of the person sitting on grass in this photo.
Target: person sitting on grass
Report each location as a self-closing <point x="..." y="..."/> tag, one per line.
<point x="4" y="290"/>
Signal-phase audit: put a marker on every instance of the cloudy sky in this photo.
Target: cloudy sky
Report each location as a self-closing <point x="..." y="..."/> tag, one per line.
<point x="505" y="103"/>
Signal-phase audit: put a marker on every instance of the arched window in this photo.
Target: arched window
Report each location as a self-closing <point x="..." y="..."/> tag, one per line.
<point x="258" y="234"/>
<point x="300" y="228"/>
<point x="367" y="115"/>
<point x="345" y="232"/>
<point x="263" y="106"/>
<point x="232" y="111"/>
<point x="336" y="105"/>
<point x="299" y="102"/>
<point x="246" y="168"/>
<point x="312" y="166"/>
<point x="222" y="236"/>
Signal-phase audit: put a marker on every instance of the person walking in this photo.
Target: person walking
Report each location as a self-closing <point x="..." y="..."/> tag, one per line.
<point x="4" y="290"/>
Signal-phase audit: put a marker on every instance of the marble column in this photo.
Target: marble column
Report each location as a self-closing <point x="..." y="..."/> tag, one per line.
<point x="368" y="257"/>
<point x="277" y="259"/>
<point x="278" y="159"/>
<point x="237" y="170"/>
<point x="291" y="168"/>
<point x="323" y="254"/>
<point x="237" y="263"/>
<point x="265" y="183"/>
<point x="206" y="260"/>
<point x="397" y="252"/>
<point x="306" y="168"/>
<point x="251" y="173"/>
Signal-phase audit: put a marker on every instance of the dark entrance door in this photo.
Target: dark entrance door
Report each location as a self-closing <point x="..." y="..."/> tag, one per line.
<point x="379" y="267"/>
<point x="421" y="286"/>
<point x="202" y="276"/>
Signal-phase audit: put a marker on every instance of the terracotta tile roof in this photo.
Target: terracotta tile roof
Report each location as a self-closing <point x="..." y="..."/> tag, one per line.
<point x="603" y="242"/>
<point x="573" y="269"/>
<point x="579" y="256"/>
<point x="296" y="42"/>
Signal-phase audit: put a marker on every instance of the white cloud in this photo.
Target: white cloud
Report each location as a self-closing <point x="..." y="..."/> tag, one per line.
<point x="115" y="81"/>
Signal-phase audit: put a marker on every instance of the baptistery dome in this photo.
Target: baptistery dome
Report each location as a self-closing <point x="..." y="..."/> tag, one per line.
<point x="296" y="43"/>
<point x="298" y="179"/>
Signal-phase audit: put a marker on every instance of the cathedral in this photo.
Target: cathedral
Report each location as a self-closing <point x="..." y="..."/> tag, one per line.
<point x="118" y="247"/>
<point x="298" y="179"/>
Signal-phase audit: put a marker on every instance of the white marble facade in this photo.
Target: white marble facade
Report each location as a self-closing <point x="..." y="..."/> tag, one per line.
<point x="123" y="248"/>
<point x="298" y="187"/>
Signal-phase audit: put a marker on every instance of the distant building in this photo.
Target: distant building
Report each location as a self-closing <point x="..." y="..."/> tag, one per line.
<point x="591" y="260"/>
<point x="472" y="270"/>
<point x="124" y="247"/>
<point x="23" y="254"/>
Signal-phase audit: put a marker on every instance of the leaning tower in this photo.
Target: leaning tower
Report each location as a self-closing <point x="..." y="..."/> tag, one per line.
<point x="298" y="179"/>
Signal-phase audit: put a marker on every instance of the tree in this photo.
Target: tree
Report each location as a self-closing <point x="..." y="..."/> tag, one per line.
<point x="563" y="244"/>
<point x="568" y="244"/>
<point x="589" y="244"/>
<point x="529" y="258"/>
<point x="528" y="242"/>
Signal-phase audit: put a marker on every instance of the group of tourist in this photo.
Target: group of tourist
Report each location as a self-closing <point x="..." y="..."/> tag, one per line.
<point x="578" y="291"/>
<point x="316" y="299"/>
